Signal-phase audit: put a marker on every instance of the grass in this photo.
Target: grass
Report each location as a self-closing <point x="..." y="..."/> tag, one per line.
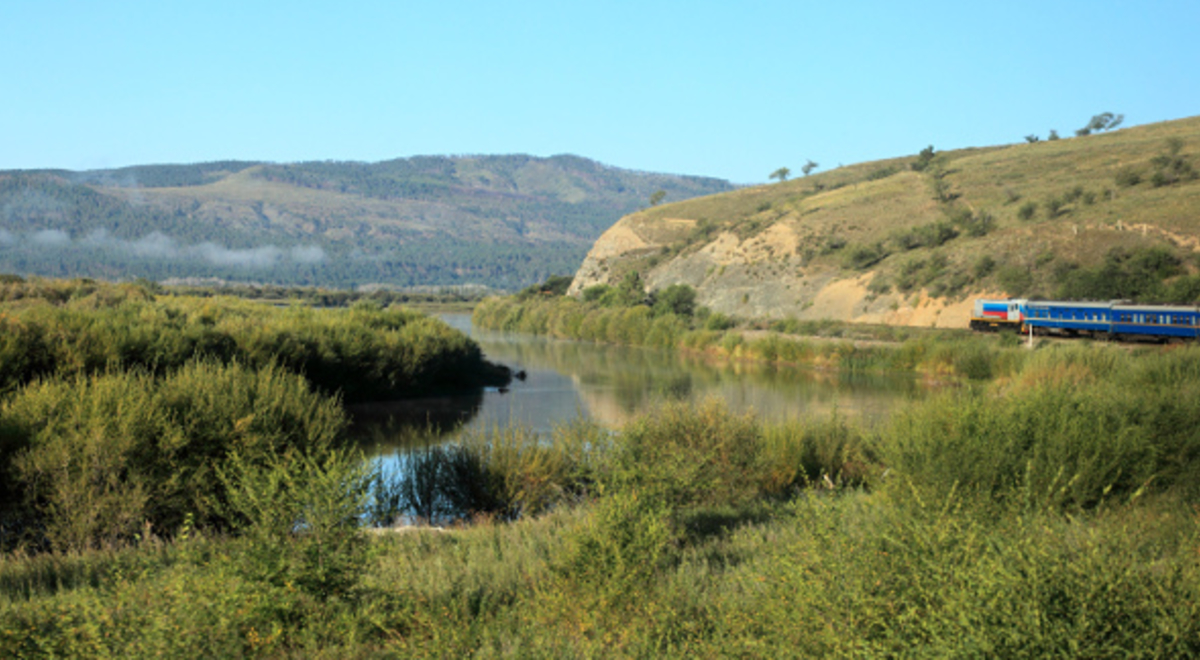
<point x="812" y="226"/>
<point x="362" y="353"/>
<point x="1048" y="510"/>
<point x="845" y="347"/>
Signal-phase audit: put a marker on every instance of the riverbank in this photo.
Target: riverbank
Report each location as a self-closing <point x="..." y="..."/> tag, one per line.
<point x="1051" y="514"/>
<point x="1050" y="509"/>
<point x="120" y="410"/>
<point x="932" y="355"/>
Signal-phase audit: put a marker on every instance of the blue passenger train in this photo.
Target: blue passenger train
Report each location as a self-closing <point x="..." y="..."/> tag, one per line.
<point x="1117" y="319"/>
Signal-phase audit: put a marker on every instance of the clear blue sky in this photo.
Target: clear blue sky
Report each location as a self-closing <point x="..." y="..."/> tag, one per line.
<point x="732" y="90"/>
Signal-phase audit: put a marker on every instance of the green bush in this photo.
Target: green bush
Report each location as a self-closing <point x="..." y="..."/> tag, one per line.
<point x="91" y="459"/>
<point x="1127" y="177"/>
<point x="1079" y="429"/>
<point x="299" y="516"/>
<point x="864" y="256"/>
<point x="678" y="299"/>
<point x="685" y="456"/>
<point x="505" y="474"/>
<point x="363" y="353"/>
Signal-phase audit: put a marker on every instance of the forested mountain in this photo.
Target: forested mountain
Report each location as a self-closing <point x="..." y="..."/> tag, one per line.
<point x="500" y="221"/>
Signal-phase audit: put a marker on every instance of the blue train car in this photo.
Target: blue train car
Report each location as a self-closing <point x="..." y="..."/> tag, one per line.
<point x="1157" y="321"/>
<point x="1115" y="319"/>
<point x="1068" y="317"/>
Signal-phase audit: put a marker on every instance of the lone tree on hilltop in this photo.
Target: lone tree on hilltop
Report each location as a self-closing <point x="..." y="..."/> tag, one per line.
<point x="657" y="197"/>
<point x="809" y="167"/>
<point x="781" y="174"/>
<point x="923" y="159"/>
<point x="1105" y="121"/>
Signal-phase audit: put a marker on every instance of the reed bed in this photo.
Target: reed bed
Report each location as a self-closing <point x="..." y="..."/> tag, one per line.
<point x="1049" y="509"/>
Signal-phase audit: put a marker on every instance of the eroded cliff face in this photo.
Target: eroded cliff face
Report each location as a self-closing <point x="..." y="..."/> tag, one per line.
<point x="763" y="276"/>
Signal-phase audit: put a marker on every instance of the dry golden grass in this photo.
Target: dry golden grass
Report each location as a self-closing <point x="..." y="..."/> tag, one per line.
<point x="809" y="227"/>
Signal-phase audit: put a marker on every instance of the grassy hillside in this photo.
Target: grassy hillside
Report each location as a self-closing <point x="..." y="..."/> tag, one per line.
<point x="905" y="240"/>
<point x="501" y="221"/>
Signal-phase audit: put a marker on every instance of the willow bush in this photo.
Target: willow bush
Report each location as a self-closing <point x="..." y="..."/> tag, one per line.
<point x="91" y="460"/>
<point x="937" y="355"/>
<point x="365" y="353"/>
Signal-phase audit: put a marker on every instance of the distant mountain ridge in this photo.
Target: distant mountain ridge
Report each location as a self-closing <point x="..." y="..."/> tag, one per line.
<point x="501" y="221"/>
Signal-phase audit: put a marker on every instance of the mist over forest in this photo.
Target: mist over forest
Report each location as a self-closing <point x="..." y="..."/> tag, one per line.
<point x="499" y="221"/>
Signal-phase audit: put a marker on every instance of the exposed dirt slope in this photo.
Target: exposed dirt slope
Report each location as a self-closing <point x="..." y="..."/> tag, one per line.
<point x="913" y="242"/>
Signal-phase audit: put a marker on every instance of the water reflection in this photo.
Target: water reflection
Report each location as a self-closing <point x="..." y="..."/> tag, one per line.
<point x="612" y="384"/>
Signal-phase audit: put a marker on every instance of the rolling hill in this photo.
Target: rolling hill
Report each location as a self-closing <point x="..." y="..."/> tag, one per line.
<point x="498" y="221"/>
<point x="911" y="240"/>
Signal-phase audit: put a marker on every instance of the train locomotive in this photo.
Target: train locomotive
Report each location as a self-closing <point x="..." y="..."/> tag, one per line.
<point x="1116" y="320"/>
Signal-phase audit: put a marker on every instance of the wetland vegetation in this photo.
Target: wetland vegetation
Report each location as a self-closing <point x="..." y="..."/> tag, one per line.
<point x="1046" y="508"/>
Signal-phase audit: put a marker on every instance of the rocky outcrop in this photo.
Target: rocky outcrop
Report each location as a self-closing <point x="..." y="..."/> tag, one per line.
<point x="764" y="276"/>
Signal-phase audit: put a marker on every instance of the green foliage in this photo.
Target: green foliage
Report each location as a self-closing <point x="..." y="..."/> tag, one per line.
<point x="984" y="267"/>
<point x="362" y="354"/>
<point x="505" y="474"/>
<point x="1171" y="166"/>
<point x="1014" y="280"/>
<point x="91" y="459"/>
<point x="1125" y="274"/>
<point x="517" y="220"/>
<point x="1184" y="290"/>
<point x="882" y="173"/>
<point x="555" y="285"/>
<point x="595" y="292"/>
<point x="299" y="516"/>
<point x="815" y="453"/>
<point x="832" y="244"/>
<point x="1127" y="177"/>
<point x="933" y="234"/>
<point x="1050" y="513"/>
<point x="1080" y="428"/>
<point x="1104" y="121"/>
<point x="861" y="256"/>
<point x="684" y="456"/>
<point x="976" y="224"/>
<point x="678" y="299"/>
<point x="1054" y="207"/>
<point x="924" y="159"/>
<point x="780" y="174"/>
<point x="1027" y="210"/>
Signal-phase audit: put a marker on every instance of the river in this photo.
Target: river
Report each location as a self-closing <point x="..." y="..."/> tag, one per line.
<point x="566" y="380"/>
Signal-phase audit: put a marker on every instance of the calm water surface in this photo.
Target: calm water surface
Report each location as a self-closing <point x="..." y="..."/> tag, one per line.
<point x="612" y="384"/>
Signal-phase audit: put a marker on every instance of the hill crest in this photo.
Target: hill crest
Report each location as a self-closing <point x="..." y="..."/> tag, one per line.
<point x="503" y="221"/>
<point x="907" y="242"/>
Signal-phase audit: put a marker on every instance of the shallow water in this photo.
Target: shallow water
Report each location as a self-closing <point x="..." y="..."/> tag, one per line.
<point x="566" y="380"/>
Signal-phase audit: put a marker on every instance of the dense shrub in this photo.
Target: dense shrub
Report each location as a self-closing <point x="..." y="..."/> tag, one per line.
<point x="365" y="353"/>
<point x="505" y="474"/>
<point x="1080" y="427"/>
<point x="90" y="460"/>
<point x="1125" y="274"/>
<point x="864" y="256"/>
